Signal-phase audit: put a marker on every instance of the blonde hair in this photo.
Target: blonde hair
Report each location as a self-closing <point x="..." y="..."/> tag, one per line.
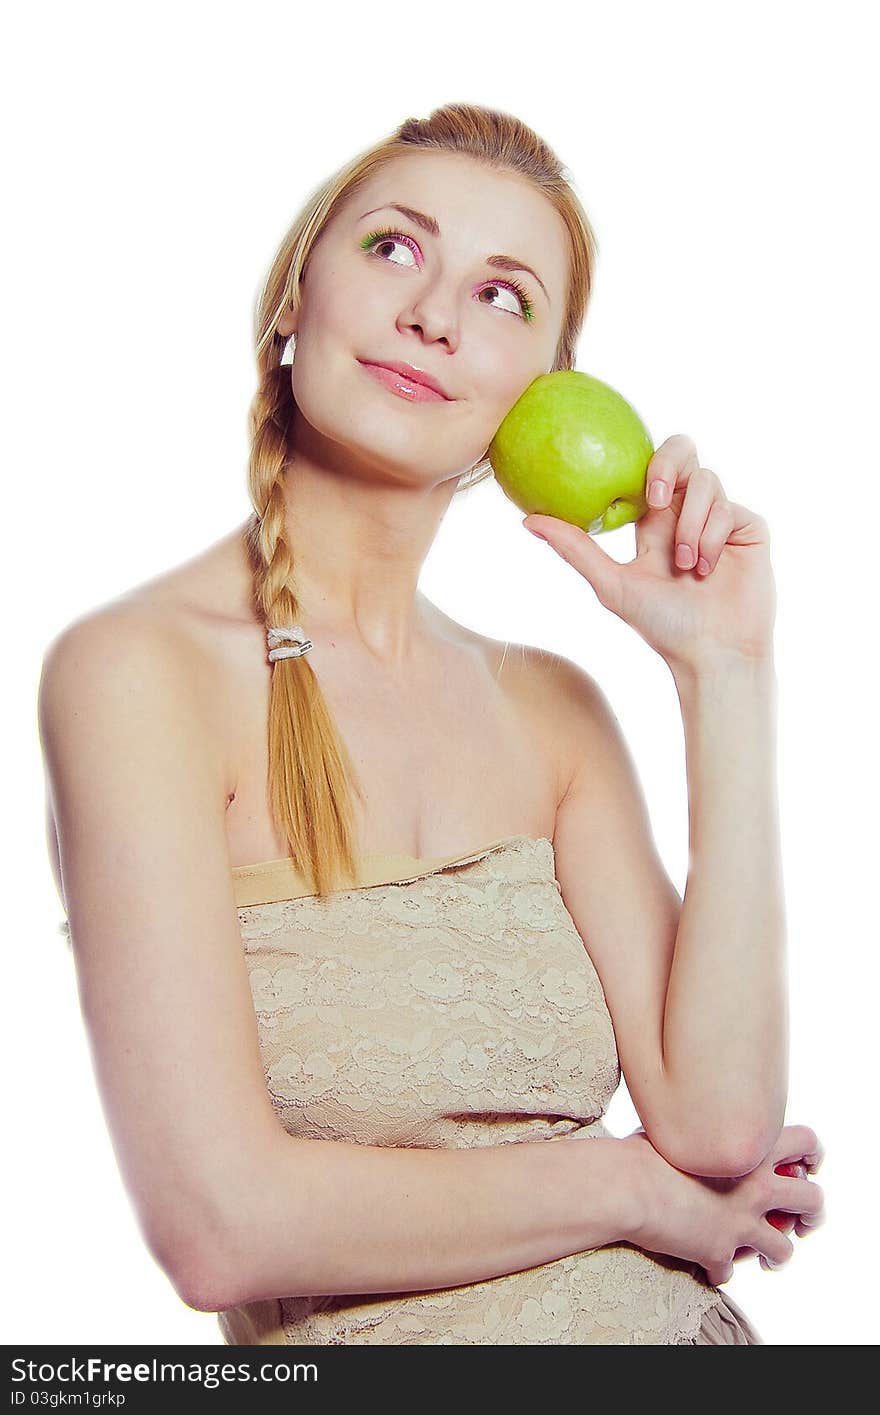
<point x="311" y="775"/>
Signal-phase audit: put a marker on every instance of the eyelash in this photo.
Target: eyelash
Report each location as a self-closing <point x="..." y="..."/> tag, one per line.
<point x="376" y="236"/>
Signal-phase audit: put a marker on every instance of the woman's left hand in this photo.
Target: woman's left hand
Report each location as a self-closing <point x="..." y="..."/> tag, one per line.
<point x="724" y="606"/>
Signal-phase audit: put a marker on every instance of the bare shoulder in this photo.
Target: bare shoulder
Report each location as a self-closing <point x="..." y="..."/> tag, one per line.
<point x="164" y="632"/>
<point x="550" y="693"/>
<point x="124" y="647"/>
<point x="576" y="705"/>
<point x="116" y="686"/>
<point x="565" y="702"/>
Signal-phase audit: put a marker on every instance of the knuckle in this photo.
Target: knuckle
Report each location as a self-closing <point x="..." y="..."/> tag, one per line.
<point x="764" y="1176"/>
<point x="679" y="440"/>
<point x="816" y="1155"/>
<point x="765" y="1189"/>
<point x="777" y="1258"/>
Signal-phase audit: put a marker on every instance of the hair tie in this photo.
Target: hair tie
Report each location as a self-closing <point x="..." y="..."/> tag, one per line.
<point x="277" y="636"/>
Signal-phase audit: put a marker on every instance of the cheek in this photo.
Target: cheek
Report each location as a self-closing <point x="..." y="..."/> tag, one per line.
<point x="502" y="378"/>
<point x="345" y="311"/>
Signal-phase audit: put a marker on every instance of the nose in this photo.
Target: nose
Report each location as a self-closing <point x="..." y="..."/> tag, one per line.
<point x="433" y="315"/>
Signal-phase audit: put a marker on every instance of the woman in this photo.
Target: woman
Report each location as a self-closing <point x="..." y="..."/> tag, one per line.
<point x="262" y="771"/>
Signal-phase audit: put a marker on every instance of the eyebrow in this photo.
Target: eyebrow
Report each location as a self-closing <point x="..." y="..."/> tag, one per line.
<point x="427" y="223"/>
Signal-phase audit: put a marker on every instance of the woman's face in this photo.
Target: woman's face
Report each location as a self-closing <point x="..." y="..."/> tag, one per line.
<point x="430" y="299"/>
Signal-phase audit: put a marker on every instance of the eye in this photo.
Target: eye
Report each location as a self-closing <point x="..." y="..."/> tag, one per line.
<point x="380" y="241"/>
<point x="381" y="244"/>
<point x="522" y="305"/>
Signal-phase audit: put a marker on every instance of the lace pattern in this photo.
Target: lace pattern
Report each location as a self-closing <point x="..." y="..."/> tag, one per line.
<point x="454" y="1006"/>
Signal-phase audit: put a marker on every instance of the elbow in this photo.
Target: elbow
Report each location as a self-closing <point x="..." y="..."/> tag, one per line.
<point x="726" y="1142"/>
<point x="750" y="1149"/>
<point x="221" y="1267"/>
<point x="202" y="1283"/>
<point x="203" y="1295"/>
<point x="729" y="1163"/>
<point x="752" y="1152"/>
<point x="195" y="1264"/>
<point x="205" y="1224"/>
<point x="712" y="1158"/>
<point x="226" y="1254"/>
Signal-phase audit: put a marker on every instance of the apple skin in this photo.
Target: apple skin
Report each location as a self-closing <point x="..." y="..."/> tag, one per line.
<point x="780" y="1218"/>
<point x="572" y="447"/>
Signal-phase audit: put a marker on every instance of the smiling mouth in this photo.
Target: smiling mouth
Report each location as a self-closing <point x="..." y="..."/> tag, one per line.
<point x="410" y="389"/>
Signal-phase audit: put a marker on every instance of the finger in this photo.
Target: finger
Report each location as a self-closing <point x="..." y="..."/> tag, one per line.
<point x="801" y="1228"/>
<point x="813" y="1217"/>
<point x="803" y="1197"/>
<point x="671" y="466"/>
<point x="773" y="1248"/>
<point x="716" y="1277"/>
<point x="701" y="491"/>
<point x="768" y="1266"/>
<point x="714" y="536"/>
<point x="579" y="548"/>
<point x="811" y="1221"/>
<point x="797" y="1142"/>
<point x="748" y="529"/>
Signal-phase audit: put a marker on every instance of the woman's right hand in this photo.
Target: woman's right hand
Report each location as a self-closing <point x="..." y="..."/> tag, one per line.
<point x="711" y="1221"/>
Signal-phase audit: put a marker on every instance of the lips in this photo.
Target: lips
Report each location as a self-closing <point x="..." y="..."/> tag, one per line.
<point x="408" y="375"/>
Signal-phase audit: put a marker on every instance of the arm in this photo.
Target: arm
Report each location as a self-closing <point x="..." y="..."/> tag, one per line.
<point x="318" y="1216"/>
<point x="231" y="1206"/>
<point x="725" y="1032"/>
<point x="696" y="990"/>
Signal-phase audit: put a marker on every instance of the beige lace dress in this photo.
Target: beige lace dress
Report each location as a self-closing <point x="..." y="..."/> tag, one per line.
<point x="450" y="1003"/>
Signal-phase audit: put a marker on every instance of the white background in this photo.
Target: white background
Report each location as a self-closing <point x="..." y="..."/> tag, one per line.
<point x="155" y="156"/>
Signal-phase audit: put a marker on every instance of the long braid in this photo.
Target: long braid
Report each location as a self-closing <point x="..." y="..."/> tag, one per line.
<point x="311" y="776"/>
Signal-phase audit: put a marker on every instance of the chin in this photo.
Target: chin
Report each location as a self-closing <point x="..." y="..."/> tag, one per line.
<point x="372" y="437"/>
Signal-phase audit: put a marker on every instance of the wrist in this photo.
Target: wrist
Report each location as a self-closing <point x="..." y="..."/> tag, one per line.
<point x="634" y="1189"/>
<point x="602" y="1188"/>
<point x="719" y="667"/>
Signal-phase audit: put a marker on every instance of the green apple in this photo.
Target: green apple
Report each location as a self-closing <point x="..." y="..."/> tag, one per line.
<point x="572" y="447"/>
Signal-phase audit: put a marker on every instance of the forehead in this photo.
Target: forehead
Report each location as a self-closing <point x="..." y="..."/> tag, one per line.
<point x="480" y="211"/>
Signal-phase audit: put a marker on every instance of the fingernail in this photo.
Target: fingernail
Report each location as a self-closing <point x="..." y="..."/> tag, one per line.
<point x="703" y="565"/>
<point x="684" y="557"/>
<point x="538" y="534"/>
<point x="658" y="495"/>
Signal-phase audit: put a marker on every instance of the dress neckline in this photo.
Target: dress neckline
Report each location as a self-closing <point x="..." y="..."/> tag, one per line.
<point x="274" y="881"/>
<point x="243" y="871"/>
